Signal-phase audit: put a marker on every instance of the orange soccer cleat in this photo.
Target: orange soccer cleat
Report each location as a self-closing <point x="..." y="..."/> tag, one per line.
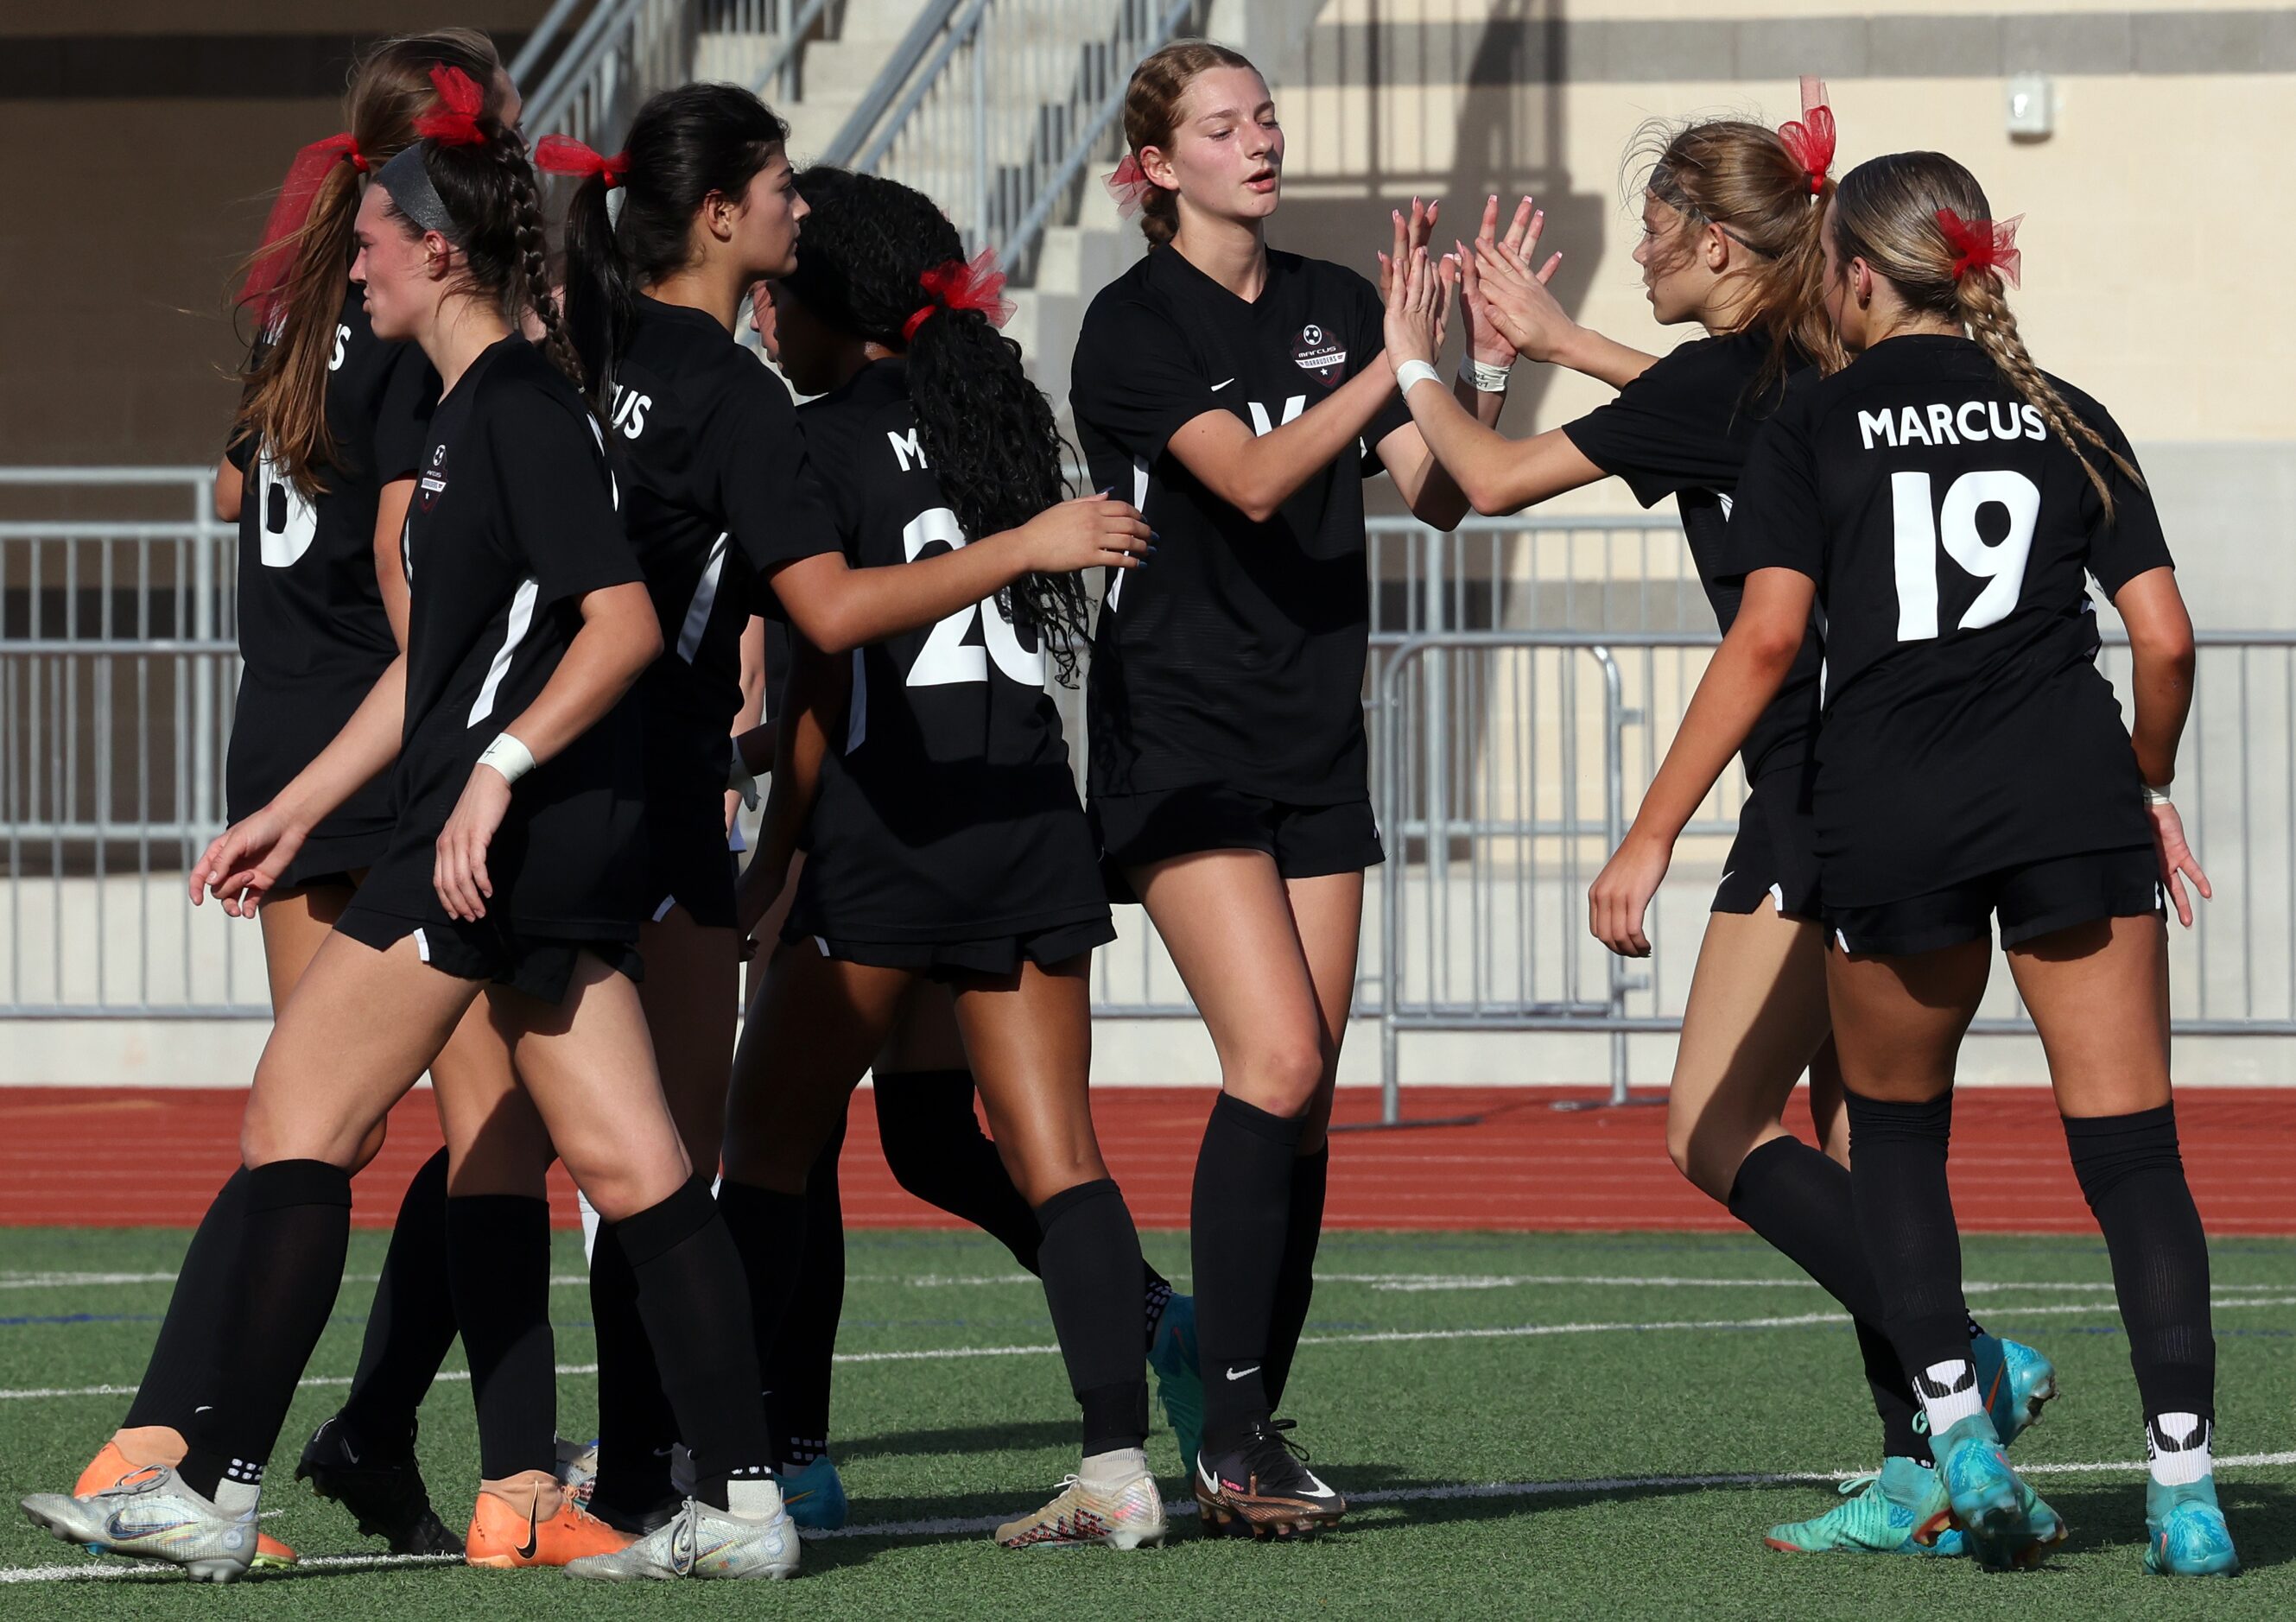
<point x="531" y="1520"/>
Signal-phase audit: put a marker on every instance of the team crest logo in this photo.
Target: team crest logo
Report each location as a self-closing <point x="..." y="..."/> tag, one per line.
<point x="432" y="485"/>
<point x="1318" y="352"/>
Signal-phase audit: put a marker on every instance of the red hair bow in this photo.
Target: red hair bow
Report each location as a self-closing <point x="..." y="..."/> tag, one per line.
<point x="455" y="121"/>
<point x="1130" y="186"/>
<point x="564" y="155"/>
<point x="290" y="212"/>
<point x="1809" y="139"/>
<point x="958" y="286"/>
<point x="1982" y="244"/>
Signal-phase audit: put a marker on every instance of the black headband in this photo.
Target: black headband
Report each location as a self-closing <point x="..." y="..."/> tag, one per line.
<point x="407" y="179"/>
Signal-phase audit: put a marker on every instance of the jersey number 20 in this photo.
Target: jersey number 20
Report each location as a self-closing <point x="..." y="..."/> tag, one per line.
<point x="1921" y="525"/>
<point x="946" y="658"/>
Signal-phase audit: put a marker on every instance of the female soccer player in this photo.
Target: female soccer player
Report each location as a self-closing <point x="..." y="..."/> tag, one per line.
<point x="946" y="843"/>
<point x="1238" y="395"/>
<point x="1731" y="215"/>
<point x="318" y="474"/>
<point x="1942" y="497"/>
<point x="529" y="623"/>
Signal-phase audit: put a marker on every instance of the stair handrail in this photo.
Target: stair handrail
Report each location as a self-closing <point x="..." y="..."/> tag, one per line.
<point x="886" y="87"/>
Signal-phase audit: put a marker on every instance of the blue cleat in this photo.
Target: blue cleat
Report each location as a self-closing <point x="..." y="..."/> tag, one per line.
<point x="814" y="1496"/>
<point x="2016" y="1380"/>
<point x="1179" y="1388"/>
<point x="2185" y="1535"/>
<point x="2003" y="1520"/>
<point x="1885" y="1513"/>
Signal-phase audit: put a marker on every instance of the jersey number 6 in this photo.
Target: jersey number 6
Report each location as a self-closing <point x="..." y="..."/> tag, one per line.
<point x="1921" y="525"/>
<point x="945" y="658"/>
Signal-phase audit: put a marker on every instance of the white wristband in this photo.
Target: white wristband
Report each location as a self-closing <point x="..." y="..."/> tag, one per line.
<point x="1486" y="380"/>
<point x="741" y="779"/>
<point x="507" y="756"/>
<point x="2156" y="797"/>
<point x="1413" y="372"/>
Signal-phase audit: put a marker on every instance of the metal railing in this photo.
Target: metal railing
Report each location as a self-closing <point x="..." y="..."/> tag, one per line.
<point x="996" y="107"/>
<point x="1508" y="763"/>
<point x="620" y="53"/>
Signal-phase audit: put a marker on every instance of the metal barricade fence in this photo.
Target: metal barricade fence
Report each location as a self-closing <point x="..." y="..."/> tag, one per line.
<point x="1509" y="762"/>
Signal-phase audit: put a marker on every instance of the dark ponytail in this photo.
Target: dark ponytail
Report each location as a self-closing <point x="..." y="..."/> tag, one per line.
<point x="988" y="431"/>
<point x="684" y="145"/>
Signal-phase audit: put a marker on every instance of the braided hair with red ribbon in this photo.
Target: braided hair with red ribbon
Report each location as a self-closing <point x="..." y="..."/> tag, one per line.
<point x="959" y="286"/>
<point x="1982" y="246"/>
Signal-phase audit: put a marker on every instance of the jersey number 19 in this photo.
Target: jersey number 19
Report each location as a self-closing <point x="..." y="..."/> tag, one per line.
<point x="1921" y="525"/>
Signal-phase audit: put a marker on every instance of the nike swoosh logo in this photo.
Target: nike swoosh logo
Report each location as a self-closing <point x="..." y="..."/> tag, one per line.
<point x="123" y="1529"/>
<point x="1218" y="387"/>
<point x="1321" y="1491"/>
<point x="1727" y="877"/>
<point x="533" y="1539"/>
<point x="1234" y="1374"/>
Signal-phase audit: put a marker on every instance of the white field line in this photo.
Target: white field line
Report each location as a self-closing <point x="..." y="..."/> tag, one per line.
<point x="1406" y="1282"/>
<point x="974" y="1525"/>
<point x="1519" y="1332"/>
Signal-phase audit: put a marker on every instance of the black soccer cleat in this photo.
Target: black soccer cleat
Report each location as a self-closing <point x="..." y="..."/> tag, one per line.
<point x="386" y="1496"/>
<point x="1264" y="1488"/>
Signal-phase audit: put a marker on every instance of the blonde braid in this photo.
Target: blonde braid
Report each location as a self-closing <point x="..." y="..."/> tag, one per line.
<point x="1994" y="327"/>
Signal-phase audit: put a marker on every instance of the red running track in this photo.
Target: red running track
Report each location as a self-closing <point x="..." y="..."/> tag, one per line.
<point x="122" y="1157"/>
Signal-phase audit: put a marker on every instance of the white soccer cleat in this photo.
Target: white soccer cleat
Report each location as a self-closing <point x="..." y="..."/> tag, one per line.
<point x="754" y="1538"/>
<point x="1124" y="1517"/>
<point x="149" y="1514"/>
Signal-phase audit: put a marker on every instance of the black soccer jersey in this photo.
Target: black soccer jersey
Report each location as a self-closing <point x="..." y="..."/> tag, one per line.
<point x="1236" y="657"/>
<point x="1681" y="428"/>
<point x="513" y="523"/>
<point x="312" y="633"/>
<point x="1967" y="728"/>
<point x="948" y="812"/>
<point x="715" y="494"/>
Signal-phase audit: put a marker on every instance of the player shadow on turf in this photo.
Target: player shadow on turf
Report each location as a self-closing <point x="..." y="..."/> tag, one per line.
<point x="2108" y="1518"/>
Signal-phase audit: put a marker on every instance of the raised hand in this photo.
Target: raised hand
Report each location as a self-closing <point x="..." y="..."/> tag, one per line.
<point x="1417" y="297"/>
<point x="1411" y="235"/>
<point x="1513" y="295"/>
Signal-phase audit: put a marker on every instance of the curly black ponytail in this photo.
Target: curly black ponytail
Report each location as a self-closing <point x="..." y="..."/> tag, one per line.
<point x="685" y="147"/>
<point x="988" y="431"/>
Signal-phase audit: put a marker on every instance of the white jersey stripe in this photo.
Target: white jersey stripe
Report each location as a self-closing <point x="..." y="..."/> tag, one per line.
<point x="705" y="598"/>
<point x="520" y="620"/>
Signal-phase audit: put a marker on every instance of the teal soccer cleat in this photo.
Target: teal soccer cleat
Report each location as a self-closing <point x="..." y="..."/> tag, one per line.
<point x="815" y="1496"/>
<point x="2016" y="1380"/>
<point x="1884" y="1513"/>
<point x="2185" y="1535"/>
<point x="1179" y="1388"/>
<point x="2004" y="1522"/>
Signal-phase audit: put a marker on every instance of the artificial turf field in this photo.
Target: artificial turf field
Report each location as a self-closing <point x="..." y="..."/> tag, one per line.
<point x="1530" y="1425"/>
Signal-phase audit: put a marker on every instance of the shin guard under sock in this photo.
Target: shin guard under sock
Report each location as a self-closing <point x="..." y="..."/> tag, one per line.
<point x="498" y="1262"/>
<point x="1295" y="1278"/>
<point x="636" y="1430"/>
<point x="1092" y="1261"/>
<point x="696" y="1307"/>
<point x="1798" y="1198"/>
<point x="2133" y="1176"/>
<point x="1906" y="1226"/>
<point x="1240" y="1218"/>
<point x="410" y="1325"/>
<point x="800" y="1357"/>
<point x="185" y="1348"/>
<point x="280" y="1290"/>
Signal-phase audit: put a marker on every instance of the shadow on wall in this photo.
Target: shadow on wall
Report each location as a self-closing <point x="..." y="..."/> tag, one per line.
<point x="1393" y="105"/>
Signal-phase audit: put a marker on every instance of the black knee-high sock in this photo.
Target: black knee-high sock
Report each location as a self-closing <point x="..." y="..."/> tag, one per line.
<point x="1295" y="1279"/>
<point x="1240" y="1216"/>
<point x="185" y="1350"/>
<point x="1906" y="1226"/>
<point x="769" y="1236"/>
<point x="2134" y="1178"/>
<point x="1092" y="1256"/>
<point x="282" y="1286"/>
<point x="936" y="1149"/>
<point x="637" y="1430"/>
<point x="1799" y="1199"/>
<point x="498" y="1261"/>
<point x="696" y="1307"/>
<point x="800" y="1358"/>
<point x="410" y="1325"/>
